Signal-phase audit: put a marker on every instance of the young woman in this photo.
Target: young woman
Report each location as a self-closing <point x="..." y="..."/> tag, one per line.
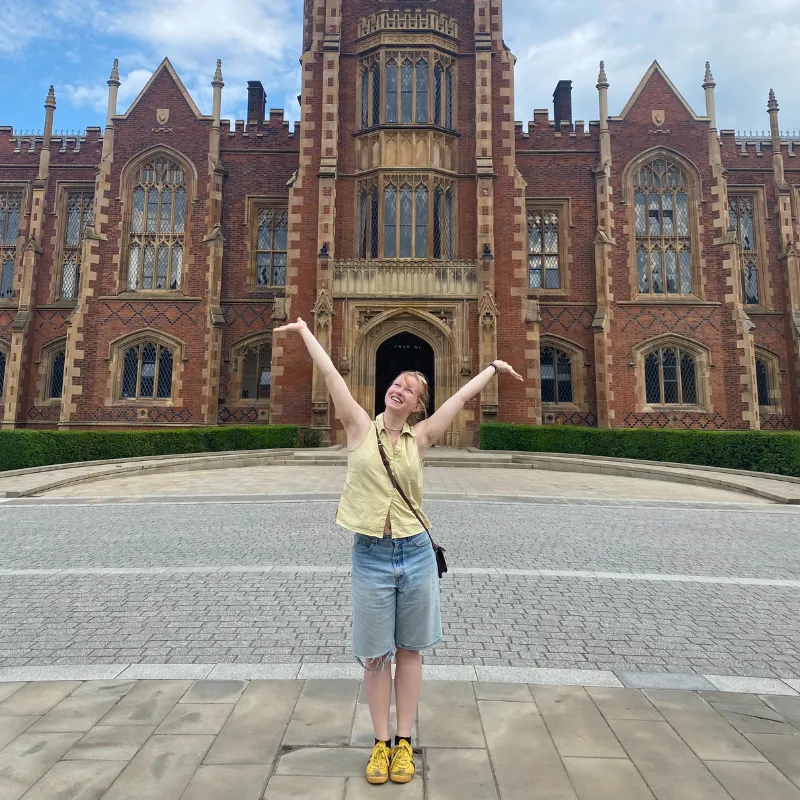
<point x="395" y="581"/>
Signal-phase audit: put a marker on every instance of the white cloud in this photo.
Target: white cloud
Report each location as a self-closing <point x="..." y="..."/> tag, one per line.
<point x="750" y="50"/>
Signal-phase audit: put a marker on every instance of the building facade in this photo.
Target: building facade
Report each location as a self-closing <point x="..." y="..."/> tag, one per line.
<point x="640" y="271"/>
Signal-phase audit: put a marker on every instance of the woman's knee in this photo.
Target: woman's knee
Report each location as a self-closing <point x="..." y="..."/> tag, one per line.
<point x="408" y="655"/>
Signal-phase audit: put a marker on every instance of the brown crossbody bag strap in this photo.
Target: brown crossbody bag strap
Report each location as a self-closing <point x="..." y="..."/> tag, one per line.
<point x="439" y="551"/>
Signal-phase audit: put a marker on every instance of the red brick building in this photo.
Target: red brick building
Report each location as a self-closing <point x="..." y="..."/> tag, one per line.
<point x="641" y="270"/>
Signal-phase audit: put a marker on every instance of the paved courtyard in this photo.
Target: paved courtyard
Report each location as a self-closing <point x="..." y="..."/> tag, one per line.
<point x="185" y="635"/>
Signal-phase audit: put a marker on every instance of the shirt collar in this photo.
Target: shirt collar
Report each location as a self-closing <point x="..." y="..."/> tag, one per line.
<point x="382" y="427"/>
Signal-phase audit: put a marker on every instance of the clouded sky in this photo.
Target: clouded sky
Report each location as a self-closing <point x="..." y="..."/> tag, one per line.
<point x="752" y="48"/>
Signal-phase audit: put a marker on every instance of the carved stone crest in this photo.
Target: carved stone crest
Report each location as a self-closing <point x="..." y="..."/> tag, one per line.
<point x="658" y="118"/>
<point x="162" y="116"/>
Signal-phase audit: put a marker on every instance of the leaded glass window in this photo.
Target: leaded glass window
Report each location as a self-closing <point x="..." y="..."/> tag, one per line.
<point x="365" y="98"/>
<point x="368" y="221"/>
<point x="406" y="92"/>
<point x="444" y="221"/>
<point x="766" y="397"/>
<point x="55" y="382"/>
<point x="256" y="372"/>
<point x="448" y="102"/>
<point x="376" y="94"/>
<point x="741" y="212"/>
<point x="405" y="214"/>
<point x="147" y="372"/>
<point x="670" y="377"/>
<point x="662" y="228"/>
<point x="158" y="221"/>
<point x="2" y="372"/>
<point x="544" y="259"/>
<point x="390" y="221"/>
<point x="272" y="247"/>
<point x="556" y="375"/>
<point x="421" y="68"/>
<point x="10" y="210"/>
<point x="438" y="73"/>
<point x="79" y="214"/>
<point x="391" y="91"/>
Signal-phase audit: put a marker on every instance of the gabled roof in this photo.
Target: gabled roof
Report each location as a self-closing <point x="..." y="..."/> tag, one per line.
<point x="656" y="67"/>
<point x="165" y="65"/>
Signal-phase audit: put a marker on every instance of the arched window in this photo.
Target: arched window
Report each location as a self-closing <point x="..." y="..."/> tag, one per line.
<point x="272" y="247"/>
<point x="448" y="102"/>
<point x="158" y="220"/>
<point x="365" y="97"/>
<point x="670" y="375"/>
<point x="405" y="218"/>
<point x="10" y="209"/>
<point x="368" y="224"/>
<point x="376" y="94"/>
<point x="391" y="91"/>
<point x="55" y="375"/>
<point x="438" y="89"/>
<point x="2" y="371"/>
<point x="764" y="383"/>
<point x="422" y="91"/>
<point x="256" y="372"/>
<point x="406" y="92"/>
<point x="663" y="228"/>
<point x="741" y="212"/>
<point x="78" y="216"/>
<point x="147" y="372"/>
<point x="556" y="375"/>
<point x="444" y="221"/>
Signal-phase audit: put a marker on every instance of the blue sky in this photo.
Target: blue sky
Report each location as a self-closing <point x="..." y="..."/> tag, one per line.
<point x="752" y="48"/>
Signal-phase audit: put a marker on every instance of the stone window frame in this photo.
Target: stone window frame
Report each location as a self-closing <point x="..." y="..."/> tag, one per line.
<point x="254" y="205"/>
<point x="401" y="52"/>
<point x="563" y="207"/>
<point x="758" y="194"/>
<point x="47" y="354"/>
<point x="22" y="188"/>
<point x="577" y="356"/>
<point x="116" y="359"/>
<point x="694" y="201"/>
<point x="236" y="359"/>
<point x="703" y="365"/>
<point x="5" y="352"/>
<point x="127" y="186"/>
<point x="63" y="190"/>
<point x="433" y="181"/>
<point x="773" y="364"/>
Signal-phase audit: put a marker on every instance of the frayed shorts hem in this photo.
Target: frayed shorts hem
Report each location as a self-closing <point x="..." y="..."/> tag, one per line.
<point x="423" y="647"/>
<point x="387" y="657"/>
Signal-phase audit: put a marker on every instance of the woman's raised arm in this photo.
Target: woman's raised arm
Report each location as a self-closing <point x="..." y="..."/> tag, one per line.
<point x="432" y="429"/>
<point x="351" y="414"/>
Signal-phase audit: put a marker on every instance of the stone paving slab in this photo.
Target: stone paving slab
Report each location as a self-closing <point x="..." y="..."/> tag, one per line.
<point x="289" y="740"/>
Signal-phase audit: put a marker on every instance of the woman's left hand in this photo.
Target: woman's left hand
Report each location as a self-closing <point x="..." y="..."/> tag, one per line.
<point x="502" y="366"/>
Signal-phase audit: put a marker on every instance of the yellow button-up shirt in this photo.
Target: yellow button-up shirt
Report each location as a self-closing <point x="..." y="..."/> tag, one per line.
<point x="368" y="495"/>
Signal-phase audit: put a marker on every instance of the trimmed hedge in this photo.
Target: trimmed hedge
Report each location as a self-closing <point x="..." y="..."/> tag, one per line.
<point x="20" y="449"/>
<point x="759" y="451"/>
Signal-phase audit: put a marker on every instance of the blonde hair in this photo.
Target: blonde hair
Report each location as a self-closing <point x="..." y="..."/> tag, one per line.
<point x="424" y="395"/>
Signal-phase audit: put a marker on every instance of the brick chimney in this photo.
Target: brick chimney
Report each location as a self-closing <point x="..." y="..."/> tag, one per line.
<point x="256" y="104"/>
<point x="562" y="104"/>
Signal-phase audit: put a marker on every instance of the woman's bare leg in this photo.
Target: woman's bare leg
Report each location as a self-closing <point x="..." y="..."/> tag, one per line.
<point x="407" y="686"/>
<point x="378" y="686"/>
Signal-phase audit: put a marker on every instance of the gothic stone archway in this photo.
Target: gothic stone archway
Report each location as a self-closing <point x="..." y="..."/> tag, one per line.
<point x="423" y="326"/>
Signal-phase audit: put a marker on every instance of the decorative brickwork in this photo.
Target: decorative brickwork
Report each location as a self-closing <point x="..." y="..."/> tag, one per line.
<point x="478" y="277"/>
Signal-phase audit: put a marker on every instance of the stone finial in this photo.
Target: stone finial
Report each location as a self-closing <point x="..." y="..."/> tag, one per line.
<point x="772" y="105"/>
<point x="50" y="101"/>
<point x="602" y="78"/>
<point x="114" y="77"/>
<point x="708" y="81"/>
<point x="218" y="74"/>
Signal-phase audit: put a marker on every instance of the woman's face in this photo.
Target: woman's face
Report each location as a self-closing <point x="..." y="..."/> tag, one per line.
<point x="403" y="395"/>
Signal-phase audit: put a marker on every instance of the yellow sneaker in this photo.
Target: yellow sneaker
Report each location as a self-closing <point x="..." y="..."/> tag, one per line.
<point x="401" y="769"/>
<point x="378" y="764"/>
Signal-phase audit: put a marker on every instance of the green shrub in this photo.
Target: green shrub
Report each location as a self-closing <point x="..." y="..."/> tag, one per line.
<point x="20" y="449"/>
<point x="759" y="451"/>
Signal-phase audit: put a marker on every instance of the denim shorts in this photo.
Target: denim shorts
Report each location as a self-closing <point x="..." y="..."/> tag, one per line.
<point x="395" y="597"/>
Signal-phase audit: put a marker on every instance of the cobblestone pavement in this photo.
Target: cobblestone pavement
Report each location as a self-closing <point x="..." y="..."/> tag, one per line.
<point x="309" y="740"/>
<point x="261" y="480"/>
<point x="658" y="588"/>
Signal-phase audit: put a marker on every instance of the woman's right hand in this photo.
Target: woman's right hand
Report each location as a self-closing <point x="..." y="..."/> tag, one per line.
<point x="298" y="326"/>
